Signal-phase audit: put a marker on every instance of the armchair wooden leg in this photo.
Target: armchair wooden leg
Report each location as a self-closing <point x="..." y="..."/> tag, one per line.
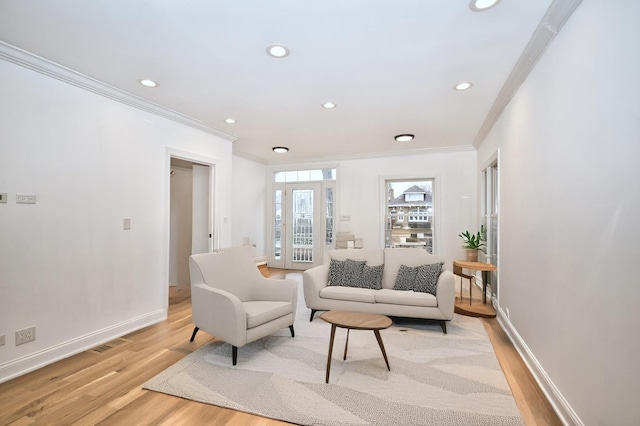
<point x="313" y="312"/>
<point x="293" y="334"/>
<point x="193" y="336"/>
<point x="234" y="354"/>
<point x="443" y="326"/>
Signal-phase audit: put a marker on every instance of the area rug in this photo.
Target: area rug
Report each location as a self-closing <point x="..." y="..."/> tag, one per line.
<point x="435" y="378"/>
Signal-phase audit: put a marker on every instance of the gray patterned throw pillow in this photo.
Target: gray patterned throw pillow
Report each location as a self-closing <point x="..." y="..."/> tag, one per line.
<point x="427" y="277"/>
<point x="352" y="274"/>
<point x="372" y="277"/>
<point x="406" y="278"/>
<point x="336" y="270"/>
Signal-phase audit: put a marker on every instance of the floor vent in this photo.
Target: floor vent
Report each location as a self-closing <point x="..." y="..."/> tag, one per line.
<point x="109" y="345"/>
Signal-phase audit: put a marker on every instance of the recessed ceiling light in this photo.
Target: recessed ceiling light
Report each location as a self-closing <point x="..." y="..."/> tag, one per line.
<point x="404" y="138"/>
<point x="278" y="51"/>
<point x="463" y="86"/>
<point x="230" y="121"/>
<point x="148" y="83"/>
<point x="329" y="105"/>
<point x="280" y="149"/>
<point x="482" y="5"/>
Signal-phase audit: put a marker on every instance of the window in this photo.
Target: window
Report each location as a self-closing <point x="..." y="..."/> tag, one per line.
<point x="409" y="213"/>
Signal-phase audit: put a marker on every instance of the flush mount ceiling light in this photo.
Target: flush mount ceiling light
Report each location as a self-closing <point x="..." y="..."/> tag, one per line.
<point x="230" y="121"/>
<point x="278" y="51"/>
<point x="329" y="105"/>
<point x="482" y="5"/>
<point x="148" y="83"/>
<point x="404" y="138"/>
<point x="280" y="149"/>
<point x="463" y="86"/>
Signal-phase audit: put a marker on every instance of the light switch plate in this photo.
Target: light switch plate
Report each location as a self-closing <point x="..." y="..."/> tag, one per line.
<point x="3" y="197"/>
<point x="25" y="199"/>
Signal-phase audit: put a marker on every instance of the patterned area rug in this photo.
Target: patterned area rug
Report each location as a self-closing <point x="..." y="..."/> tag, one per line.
<point x="435" y="379"/>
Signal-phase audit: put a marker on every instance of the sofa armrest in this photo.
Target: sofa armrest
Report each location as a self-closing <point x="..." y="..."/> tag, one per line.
<point x="446" y="294"/>
<point x="314" y="280"/>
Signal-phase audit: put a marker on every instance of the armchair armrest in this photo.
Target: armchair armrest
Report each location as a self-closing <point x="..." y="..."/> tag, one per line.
<point x="219" y="313"/>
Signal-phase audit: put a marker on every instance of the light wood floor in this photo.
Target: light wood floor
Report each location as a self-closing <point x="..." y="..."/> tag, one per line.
<point x="103" y="386"/>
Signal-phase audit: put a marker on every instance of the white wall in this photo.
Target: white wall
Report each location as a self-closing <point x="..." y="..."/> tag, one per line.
<point x="249" y="203"/>
<point x="570" y="206"/>
<point x="66" y="264"/>
<point x="361" y="194"/>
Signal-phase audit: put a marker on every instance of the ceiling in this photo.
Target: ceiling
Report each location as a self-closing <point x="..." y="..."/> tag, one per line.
<point x="389" y="65"/>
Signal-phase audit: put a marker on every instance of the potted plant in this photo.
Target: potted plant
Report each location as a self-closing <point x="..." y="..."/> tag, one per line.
<point x="473" y="243"/>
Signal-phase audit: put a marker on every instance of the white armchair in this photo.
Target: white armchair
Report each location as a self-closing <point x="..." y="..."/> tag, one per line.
<point x="232" y="301"/>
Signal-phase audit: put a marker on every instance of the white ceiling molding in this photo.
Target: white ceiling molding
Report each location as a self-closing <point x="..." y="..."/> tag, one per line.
<point x="51" y="69"/>
<point x="370" y="155"/>
<point x="558" y="13"/>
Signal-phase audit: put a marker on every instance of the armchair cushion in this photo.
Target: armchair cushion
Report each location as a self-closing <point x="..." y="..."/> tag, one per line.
<point x="260" y="312"/>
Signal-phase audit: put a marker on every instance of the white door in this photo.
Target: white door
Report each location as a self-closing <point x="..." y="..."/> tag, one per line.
<point x="302" y="226"/>
<point x="201" y="220"/>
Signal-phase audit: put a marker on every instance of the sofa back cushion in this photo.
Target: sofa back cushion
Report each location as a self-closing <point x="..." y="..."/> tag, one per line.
<point x="395" y="257"/>
<point x="373" y="257"/>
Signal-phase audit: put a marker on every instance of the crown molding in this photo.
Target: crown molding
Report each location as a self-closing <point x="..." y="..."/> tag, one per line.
<point x="43" y="66"/>
<point x="558" y="13"/>
<point x="384" y="154"/>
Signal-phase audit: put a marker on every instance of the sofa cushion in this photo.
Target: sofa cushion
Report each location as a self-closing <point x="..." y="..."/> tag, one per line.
<point x="410" y="298"/>
<point x="261" y="312"/>
<point x="350" y="294"/>
<point x="427" y="278"/>
<point x="406" y="278"/>
<point x="336" y="271"/>
<point x="372" y="277"/>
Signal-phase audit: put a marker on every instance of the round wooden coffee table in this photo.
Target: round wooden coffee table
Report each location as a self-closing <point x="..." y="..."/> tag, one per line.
<point x="355" y="321"/>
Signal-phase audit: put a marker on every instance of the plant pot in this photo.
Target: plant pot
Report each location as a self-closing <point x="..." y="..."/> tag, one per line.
<point x="472" y="255"/>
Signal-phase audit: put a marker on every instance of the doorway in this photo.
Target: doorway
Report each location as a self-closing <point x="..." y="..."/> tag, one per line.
<point x="190" y="221"/>
<point x="301" y="213"/>
<point x="303" y="235"/>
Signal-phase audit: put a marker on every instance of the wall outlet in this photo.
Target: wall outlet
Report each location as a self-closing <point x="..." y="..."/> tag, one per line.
<point x="25" y="335"/>
<point x="1" y="339"/>
<point x="25" y="199"/>
<point x="345" y="218"/>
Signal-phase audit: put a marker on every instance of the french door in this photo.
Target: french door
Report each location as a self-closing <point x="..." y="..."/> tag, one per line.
<point x="299" y="224"/>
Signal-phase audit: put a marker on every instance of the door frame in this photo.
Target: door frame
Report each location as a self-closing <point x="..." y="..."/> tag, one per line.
<point x="318" y="224"/>
<point x="212" y="214"/>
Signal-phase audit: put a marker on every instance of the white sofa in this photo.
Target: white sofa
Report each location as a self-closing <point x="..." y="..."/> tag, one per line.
<point x="320" y="296"/>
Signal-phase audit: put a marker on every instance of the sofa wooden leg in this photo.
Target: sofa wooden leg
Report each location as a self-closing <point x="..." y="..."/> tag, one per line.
<point x="293" y="334"/>
<point x="234" y="354"/>
<point x="443" y="325"/>
<point x="193" y="336"/>
<point x="313" y="312"/>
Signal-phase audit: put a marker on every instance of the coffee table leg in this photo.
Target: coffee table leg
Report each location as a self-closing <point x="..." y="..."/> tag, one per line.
<point x="384" y="353"/>
<point x="333" y="334"/>
<point x="346" y="345"/>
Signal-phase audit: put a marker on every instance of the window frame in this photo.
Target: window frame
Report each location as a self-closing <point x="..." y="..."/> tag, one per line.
<point x="436" y="203"/>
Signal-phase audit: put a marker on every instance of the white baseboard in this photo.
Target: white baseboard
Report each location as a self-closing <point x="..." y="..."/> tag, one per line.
<point x="39" y="359"/>
<point x="555" y="398"/>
